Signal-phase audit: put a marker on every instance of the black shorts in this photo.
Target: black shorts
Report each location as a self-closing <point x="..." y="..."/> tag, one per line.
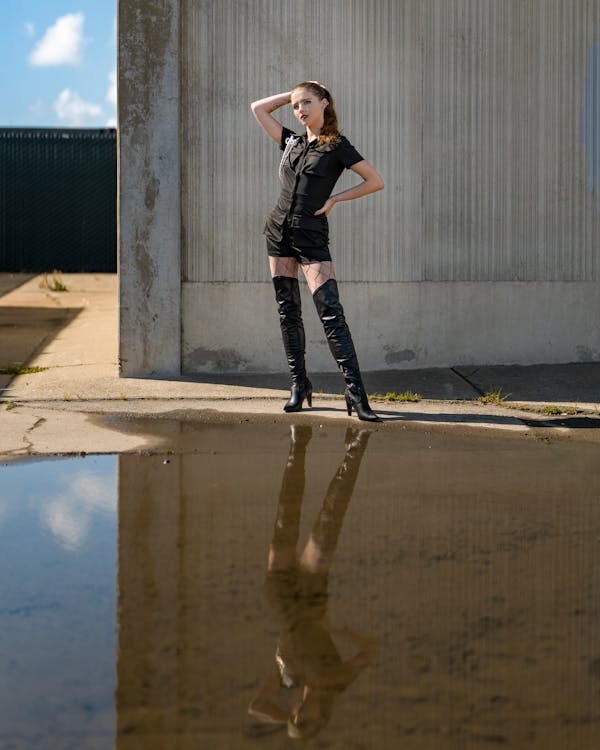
<point x="305" y="238"/>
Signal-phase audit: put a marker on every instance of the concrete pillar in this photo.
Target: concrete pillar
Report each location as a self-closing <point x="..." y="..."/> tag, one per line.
<point x="149" y="214"/>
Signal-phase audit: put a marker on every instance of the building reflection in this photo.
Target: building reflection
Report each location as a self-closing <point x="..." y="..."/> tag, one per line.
<point x="474" y="561"/>
<point x="194" y="632"/>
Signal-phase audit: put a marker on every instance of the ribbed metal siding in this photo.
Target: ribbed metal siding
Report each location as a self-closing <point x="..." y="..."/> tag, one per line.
<point x="504" y="185"/>
<point x="58" y="200"/>
<point x="482" y="115"/>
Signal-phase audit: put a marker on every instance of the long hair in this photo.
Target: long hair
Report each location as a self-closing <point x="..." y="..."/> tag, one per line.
<point x="330" y="132"/>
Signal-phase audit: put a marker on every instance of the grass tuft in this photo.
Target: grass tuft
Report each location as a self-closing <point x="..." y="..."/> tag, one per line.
<point x="554" y="410"/>
<point x="493" y="397"/>
<point x="407" y="395"/>
<point x="55" y="284"/>
<point x="20" y="370"/>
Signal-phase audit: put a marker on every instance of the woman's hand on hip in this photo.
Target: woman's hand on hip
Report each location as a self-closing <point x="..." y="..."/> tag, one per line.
<point x="326" y="207"/>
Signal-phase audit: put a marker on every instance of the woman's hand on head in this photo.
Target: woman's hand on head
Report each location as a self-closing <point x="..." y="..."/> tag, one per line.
<point x="262" y="108"/>
<point x="326" y="207"/>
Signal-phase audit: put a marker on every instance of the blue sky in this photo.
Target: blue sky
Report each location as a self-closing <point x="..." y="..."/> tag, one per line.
<point x="57" y="63"/>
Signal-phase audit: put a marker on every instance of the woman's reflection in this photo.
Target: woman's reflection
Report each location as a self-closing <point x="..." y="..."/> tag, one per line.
<point x="307" y="659"/>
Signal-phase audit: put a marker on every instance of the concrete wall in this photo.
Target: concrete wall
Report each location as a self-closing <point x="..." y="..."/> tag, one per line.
<point x="149" y="188"/>
<point x="483" y="117"/>
<point x="399" y="325"/>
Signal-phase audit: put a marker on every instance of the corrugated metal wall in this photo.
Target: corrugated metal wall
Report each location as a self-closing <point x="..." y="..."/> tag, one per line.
<point x="58" y="199"/>
<point x="482" y="115"/>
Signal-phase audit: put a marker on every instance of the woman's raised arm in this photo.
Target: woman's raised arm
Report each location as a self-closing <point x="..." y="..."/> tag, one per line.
<point x="262" y="109"/>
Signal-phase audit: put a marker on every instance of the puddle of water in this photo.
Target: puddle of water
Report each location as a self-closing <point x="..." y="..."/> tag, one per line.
<point x="363" y="589"/>
<point x="58" y="521"/>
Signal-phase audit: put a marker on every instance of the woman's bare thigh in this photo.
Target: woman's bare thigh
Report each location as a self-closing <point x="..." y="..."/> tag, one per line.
<point x="283" y="267"/>
<point x="317" y="274"/>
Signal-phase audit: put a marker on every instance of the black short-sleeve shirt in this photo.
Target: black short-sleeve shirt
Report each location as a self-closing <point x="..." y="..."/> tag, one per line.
<point x="308" y="175"/>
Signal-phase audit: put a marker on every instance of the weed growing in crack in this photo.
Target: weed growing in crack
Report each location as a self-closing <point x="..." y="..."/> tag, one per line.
<point x="551" y="409"/>
<point x="55" y="284"/>
<point x="20" y="370"/>
<point x="407" y="395"/>
<point x="495" y="397"/>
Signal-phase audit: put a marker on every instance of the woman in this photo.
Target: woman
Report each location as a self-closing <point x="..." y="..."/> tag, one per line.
<point x="297" y="232"/>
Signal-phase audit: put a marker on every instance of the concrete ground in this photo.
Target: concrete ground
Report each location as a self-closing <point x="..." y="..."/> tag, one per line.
<point x="79" y="404"/>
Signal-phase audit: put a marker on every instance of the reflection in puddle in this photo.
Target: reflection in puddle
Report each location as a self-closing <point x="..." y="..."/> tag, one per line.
<point x="57" y="603"/>
<point x="307" y="658"/>
<point x="371" y="589"/>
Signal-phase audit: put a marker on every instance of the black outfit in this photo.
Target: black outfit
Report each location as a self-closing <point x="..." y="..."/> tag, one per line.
<point x="308" y="175"/>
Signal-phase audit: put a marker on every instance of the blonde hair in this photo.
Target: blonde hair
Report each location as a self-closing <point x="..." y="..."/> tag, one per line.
<point x="330" y="132"/>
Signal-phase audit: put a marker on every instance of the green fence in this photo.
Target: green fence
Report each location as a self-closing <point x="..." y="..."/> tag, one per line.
<point x="58" y="199"/>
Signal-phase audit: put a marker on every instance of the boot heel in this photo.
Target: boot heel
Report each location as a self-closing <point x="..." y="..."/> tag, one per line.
<point x="357" y="399"/>
<point x="297" y="396"/>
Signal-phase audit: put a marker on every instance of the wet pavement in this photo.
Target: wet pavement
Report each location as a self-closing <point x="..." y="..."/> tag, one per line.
<point x="58" y="532"/>
<point x="255" y="585"/>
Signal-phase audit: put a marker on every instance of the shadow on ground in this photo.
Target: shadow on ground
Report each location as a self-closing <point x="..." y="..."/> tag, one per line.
<point x="9" y="281"/>
<point x="575" y="382"/>
<point x="24" y="330"/>
<point x="433" y="383"/>
<point x="571" y="383"/>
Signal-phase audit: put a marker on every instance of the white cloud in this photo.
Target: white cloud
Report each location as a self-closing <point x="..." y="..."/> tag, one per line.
<point x="68" y="523"/>
<point x="29" y="28"/>
<point x="111" y="122"/>
<point x="75" y="111"/>
<point x="62" y="44"/>
<point x="111" y="92"/>
<point x="70" y="515"/>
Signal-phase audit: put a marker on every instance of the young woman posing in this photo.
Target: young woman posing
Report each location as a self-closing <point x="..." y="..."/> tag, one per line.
<point x="297" y="232"/>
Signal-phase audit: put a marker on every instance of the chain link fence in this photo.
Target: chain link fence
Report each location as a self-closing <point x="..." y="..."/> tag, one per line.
<point x="58" y="200"/>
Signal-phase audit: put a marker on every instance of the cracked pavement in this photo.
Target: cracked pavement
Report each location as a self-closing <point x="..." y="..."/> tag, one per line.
<point x="79" y="404"/>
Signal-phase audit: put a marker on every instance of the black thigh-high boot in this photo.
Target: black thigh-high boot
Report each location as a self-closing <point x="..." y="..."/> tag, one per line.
<point x="331" y="313"/>
<point x="287" y="295"/>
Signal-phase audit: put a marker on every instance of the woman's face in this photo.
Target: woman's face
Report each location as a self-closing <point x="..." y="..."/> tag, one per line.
<point x="308" y="108"/>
